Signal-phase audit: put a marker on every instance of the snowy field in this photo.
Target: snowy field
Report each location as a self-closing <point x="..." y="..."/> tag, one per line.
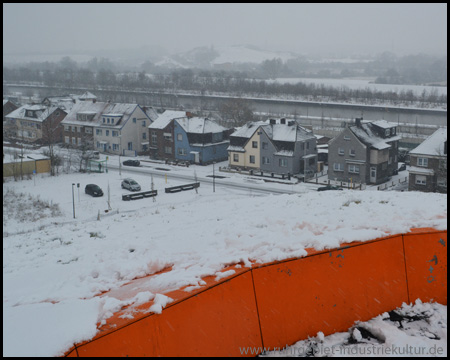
<point x="54" y="265"/>
<point x="354" y="84"/>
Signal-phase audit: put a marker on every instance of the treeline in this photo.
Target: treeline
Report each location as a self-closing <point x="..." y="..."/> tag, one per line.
<point x="208" y="82"/>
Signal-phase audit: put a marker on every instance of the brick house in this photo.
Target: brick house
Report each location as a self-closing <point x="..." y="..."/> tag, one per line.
<point x="428" y="171"/>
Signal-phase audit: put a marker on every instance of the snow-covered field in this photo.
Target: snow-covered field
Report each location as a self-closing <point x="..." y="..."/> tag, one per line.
<point x="55" y="264"/>
<point x="362" y="84"/>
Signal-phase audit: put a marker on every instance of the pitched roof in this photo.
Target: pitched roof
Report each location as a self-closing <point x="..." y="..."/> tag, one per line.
<point x="98" y="109"/>
<point x="369" y="136"/>
<point x="433" y="145"/>
<point x="197" y="125"/>
<point x="87" y="96"/>
<point x="42" y="112"/>
<point x="165" y="118"/>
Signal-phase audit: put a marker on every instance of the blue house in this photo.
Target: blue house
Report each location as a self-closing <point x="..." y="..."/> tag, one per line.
<point x="200" y="140"/>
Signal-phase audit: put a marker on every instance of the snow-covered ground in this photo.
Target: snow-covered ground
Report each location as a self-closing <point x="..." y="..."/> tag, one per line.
<point x="362" y="84"/>
<point x="61" y="248"/>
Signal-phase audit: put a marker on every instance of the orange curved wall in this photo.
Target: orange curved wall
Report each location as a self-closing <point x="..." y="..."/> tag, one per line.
<point x="276" y="304"/>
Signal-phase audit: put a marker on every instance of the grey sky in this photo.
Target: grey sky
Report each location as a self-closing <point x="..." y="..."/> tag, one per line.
<point x="303" y="28"/>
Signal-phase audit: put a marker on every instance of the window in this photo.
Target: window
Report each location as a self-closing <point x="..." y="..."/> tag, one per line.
<point x="387" y="132"/>
<point x="143" y="123"/>
<point x="393" y="131"/>
<point x="338" y="167"/>
<point x="79" y="141"/>
<point x="144" y="136"/>
<point x="107" y="132"/>
<point x="421" y="180"/>
<point x="352" y="152"/>
<point x="354" y="169"/>
<point x="180" y="137"/>
<point x="265" y="160"/>
<point x="422" y="162"/>
<point x="88" y="130"/>
<point x="341" y="151"/>
<point x="168" y="136"/>
<point x="167" y="150"/>
<point x="98" y="145"/>
<point x="265" y="145"/>
<point x="254" y="144"/>
<point x="303" y="146"/>
<point x="235" y="157"/>
<point x="283" y="162"/>
<point x="182" y="151"/>
<point x="74" y="141"/>
<point x="115" y="133"/>
<point x="134" y="120"/>
<point x="104" y="120"/>
<point x="390" y="160"/>
<point x="66" y="140"/>
<point x="98" y="131"/>
<point x="115" y="147"/>
<point x="252" y="159"/>
<point x="130" y="146"/>
<point x="66" y="128"/>
<point x="154" y="137"/>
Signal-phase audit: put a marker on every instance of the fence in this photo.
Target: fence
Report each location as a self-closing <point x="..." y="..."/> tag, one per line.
<point x="276" y="304"/>
<point x="141" y="195"/>
<point x="182" y="187"/>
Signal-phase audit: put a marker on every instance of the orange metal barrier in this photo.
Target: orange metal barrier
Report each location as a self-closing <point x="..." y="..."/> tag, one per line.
<point x="277" y="304"/>
<point x="426" y="265"/>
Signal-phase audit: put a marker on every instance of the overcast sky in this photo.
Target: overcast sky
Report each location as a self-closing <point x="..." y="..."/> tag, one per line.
<point x="303" y="28"/>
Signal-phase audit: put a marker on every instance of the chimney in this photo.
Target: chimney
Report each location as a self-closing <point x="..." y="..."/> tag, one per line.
<point x="189" y="114"/>
<point x="273" y="121"/>
<point x="358" y="121"/>
<point x="283" y="121"/>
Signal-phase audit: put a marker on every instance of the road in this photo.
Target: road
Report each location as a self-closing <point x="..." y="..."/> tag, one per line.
<point x="228" y="182"/>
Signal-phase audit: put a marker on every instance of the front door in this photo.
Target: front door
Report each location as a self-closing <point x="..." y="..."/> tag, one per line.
<point x="373" y="174"/>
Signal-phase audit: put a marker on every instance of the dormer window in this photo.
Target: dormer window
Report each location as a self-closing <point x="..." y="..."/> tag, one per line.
<point x="387" y="132"/>
<point x="393" y="131"/>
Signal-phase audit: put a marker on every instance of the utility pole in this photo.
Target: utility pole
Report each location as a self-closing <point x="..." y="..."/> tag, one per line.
<point x="73" y="200"/>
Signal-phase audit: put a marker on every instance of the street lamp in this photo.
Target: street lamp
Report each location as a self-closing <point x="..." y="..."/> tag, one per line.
<point x="120" y="153"/>
<point x="214" y="178"/>
<point x="73" y="200"/>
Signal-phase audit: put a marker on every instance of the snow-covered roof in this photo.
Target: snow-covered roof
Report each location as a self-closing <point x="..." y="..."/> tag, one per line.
<point x="433" y="145"/>
<point x="98" y="109"/>
<point x="197" y="125"/>
<point x="276" y="132"/>
<point x="42" y="112"/>
<point x="384" y="124"/>
<point x="87" y="96"/>
<point x="165" y="118"/>
<point x="368" y="136"/>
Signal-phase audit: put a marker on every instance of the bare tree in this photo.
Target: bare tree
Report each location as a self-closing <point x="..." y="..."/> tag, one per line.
<point x="236" y="111"/>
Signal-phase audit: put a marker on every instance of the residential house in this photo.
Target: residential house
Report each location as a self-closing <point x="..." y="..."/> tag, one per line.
<point x="161" y="135"/>
<point x="274" y="146"/>
<point x="9" y="129"/>
<point x="109" y="127"/>
<point x="200" y="140"/>
<point x="181" y="136"/>
<point x="428" y="171"/>
<point x="37" y="123"/>
<point x="366" y="152"/>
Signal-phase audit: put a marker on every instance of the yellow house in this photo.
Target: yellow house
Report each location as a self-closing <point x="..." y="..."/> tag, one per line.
<point x="246" y="151"/>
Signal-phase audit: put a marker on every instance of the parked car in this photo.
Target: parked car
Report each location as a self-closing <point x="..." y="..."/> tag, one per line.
<point x="401" y="166"/>
<point x="329" y="187"/>
<point x="131" y="185"/>
<point x="132" y="162"/>
<point x="93" y="190"/>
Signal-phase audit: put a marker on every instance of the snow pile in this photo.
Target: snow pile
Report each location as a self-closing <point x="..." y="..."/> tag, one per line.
<point x="55" y="266"/>
<point x="412" y="330"/>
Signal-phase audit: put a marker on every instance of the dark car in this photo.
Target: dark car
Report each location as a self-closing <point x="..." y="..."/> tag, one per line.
<point x="132" y="162"/>
<point x="93" y="190"/>
<point x="329" y="187"/>
<point x="401" y="167"/>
